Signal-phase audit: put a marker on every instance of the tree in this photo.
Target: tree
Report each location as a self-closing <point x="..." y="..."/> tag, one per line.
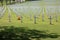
<point x="10" y="1"/>
<point x="1" y="2"/>
<point x="6" y="1"/>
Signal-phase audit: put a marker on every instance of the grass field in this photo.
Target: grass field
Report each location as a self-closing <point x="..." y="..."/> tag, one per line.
<point x="45" y="26"/>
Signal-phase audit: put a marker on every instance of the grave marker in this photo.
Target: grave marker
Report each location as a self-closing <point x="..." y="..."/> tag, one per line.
<point x="56" y="15"/>
<point x="2" y="12"/>
<point x="43" y="14"/>
<point x="56" y="18"/>
<point x="21" y="19"/>
<point x="35" y="19"/>
<point x="50" y="20"/>
<point x="9" y="15"/>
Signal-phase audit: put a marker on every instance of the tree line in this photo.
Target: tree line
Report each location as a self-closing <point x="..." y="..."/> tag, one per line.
<point x="6" y="1"/>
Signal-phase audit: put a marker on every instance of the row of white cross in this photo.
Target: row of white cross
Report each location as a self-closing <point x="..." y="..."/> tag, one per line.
<point x="2" y="11"/>
<point x="37" y="10"/>
<point x="20" y="0"/>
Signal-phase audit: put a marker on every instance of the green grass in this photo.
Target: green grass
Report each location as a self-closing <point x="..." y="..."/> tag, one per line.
<point x="30" y="23"/>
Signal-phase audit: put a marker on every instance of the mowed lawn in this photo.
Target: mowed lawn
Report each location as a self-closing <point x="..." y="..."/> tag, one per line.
<point x="45" y="26"/>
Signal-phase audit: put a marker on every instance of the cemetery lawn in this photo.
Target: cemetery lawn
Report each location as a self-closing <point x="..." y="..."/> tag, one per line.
<point x="45" y="26"/>
<point x="30" y="23"/>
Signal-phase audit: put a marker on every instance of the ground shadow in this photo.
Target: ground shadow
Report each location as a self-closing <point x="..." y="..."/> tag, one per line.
<point x="21" y="33"/>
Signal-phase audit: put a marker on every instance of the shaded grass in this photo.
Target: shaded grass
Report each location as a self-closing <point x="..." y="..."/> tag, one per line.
<point x="23" y="33"/>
